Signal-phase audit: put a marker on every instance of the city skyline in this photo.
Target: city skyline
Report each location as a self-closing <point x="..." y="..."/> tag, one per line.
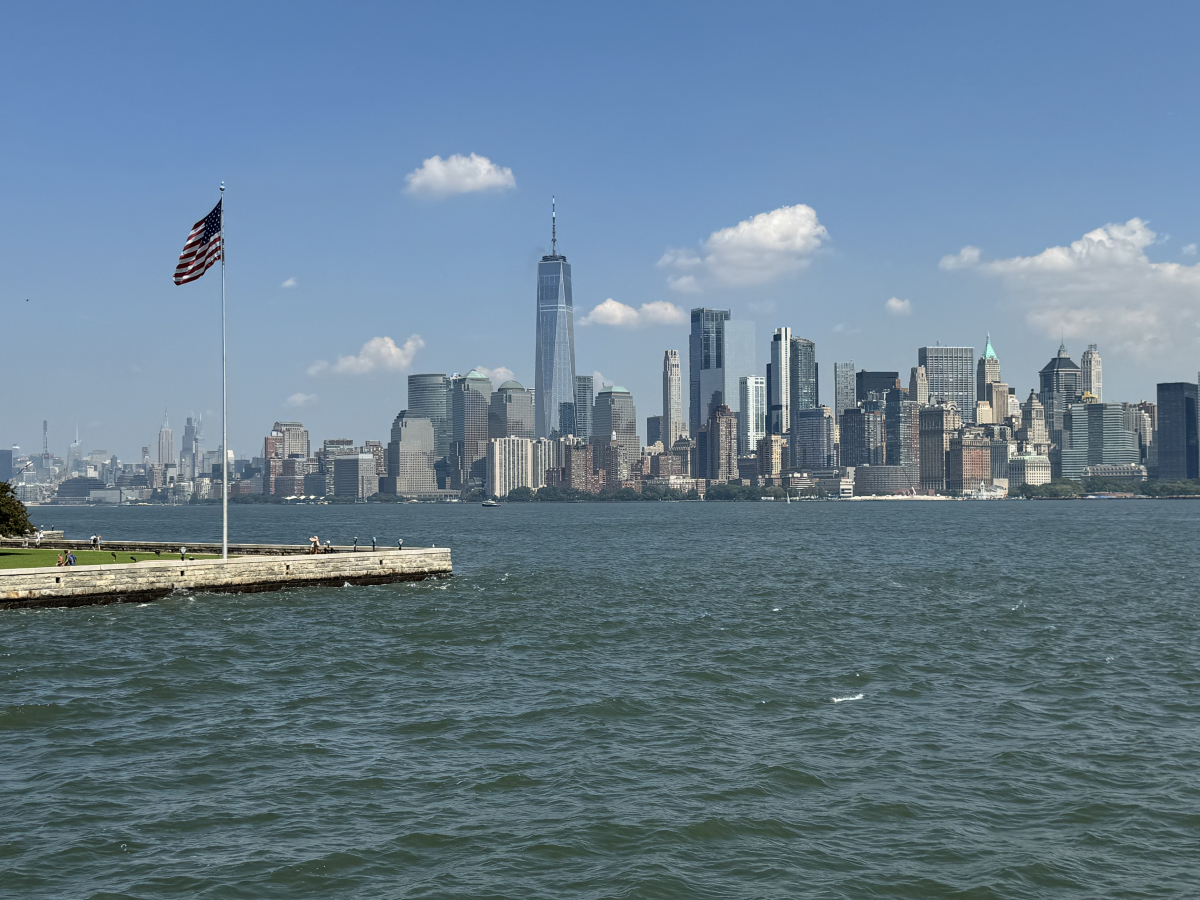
<point x="888" y="205"/>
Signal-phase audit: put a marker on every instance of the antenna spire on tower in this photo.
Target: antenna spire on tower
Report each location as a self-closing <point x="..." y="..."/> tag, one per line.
<point x="553" y="228"/>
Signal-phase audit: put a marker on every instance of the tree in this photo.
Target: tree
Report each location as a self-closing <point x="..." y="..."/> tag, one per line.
<point x="520" y="495"/>
<point x="14" y="519"/>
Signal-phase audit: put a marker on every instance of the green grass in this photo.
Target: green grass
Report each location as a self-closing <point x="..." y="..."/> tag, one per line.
<point x="25" y="559"/>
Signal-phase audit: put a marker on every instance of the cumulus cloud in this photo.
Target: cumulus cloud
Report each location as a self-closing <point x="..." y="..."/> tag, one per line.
<point x="497" y="376"/>
<point x="754" y="251"/>
<point x="965" y="258"/>
<point x="1103" y="287"/>
<point x="297" y="400"/>
<point x="1188" y="250"/>
<point x="458" y="174"/>
<point x="290" y="283"/>
<point x="377" y="354"/>
<point x="898" y="307"/>
<point x="611" y="312"/>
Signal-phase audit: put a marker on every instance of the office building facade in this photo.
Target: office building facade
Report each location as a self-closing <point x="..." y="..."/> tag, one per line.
<point x="720" y="351"/>
<point x="812" y="445"/>
<point x="845" y="388"/>
<point x="805" y="386"/>
<point x="616" y="419"/>
<point x="779" y="382"/>
<point x="949" y="373"/>
<point x="672" y="427"/>
<point x="752" y="416"/>
<point x="585" y="398"/>
<point x="554" y="360"/>
<point x="1177" y="437"/>
<point x="428" y="397"/>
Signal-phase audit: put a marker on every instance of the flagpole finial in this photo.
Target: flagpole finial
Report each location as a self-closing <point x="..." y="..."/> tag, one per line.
<point x="222" y="187"/>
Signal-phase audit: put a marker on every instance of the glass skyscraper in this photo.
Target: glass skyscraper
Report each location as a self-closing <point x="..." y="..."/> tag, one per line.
<point x="951" y="375"/>
<point x="554" y="364"/>
<point x="720" y="352"/>
<point x="585" y="393"/>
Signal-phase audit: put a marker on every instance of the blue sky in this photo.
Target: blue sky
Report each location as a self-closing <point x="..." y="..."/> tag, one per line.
<point x="909" y="133"/>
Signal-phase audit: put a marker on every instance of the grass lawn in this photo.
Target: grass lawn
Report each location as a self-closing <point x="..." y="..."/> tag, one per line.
<point x="20" y="558"/>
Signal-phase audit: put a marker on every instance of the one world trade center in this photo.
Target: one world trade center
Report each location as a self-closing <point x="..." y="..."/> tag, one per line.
<point x="554" y="368"/>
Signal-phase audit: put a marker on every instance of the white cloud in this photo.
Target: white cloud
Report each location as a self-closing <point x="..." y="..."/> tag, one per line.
<point x="965" y="258"/>
<point x="843" y="328"/>
<point x="611" y="312"/>
<point x="290" y="283"/>
<point x="298" y="400"/>
<point x="1188" y="250"/>
<point x="1103" y="288"/>
<point x="898" y="307"/>
<point x="754" y="251"/>
<point x="458" y="174"/>
<point x="497" y="376"/>
<point x="379" y="353"/>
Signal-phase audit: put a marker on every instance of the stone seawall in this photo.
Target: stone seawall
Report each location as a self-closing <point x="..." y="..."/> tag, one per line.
<point x="167" y="548"/>
<point x="143" y="581"/>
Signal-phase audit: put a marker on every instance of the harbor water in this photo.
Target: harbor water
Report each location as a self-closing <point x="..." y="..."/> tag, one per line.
<point x="661" y="700"/>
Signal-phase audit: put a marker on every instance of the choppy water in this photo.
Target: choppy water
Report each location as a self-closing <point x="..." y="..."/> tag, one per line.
<point x="627" y="700"/>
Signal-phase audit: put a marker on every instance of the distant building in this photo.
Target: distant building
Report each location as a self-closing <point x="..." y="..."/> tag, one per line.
<point x="1033" y="434"/>
<point x="938" y="424"/>
<point x="166" y="444"/>
<point x="987" y="372"/>
<point x="1177" y="438"/>
<point x="554" y="362"/>
<point x="722" y="445"/>
<point x="1098" y="434"/>
<point x="410" y="460"/>
<point x="752" y="417"/>
<point x="812" y="445"/>
<point x="863" y="441"/>
<point x="510" y="412"/>
<point x="654" y="430"/>
<point x="585" y="393"/>
<point x="548" y="456"/>
<point x="295" y="439"/>
<point x="672" y="414"/>
<point x="6" y="465"/>
<point x="770" y="456"/>
<point x="885" y="480"/>
<point x="428" y="398"/>
<point x="509" y="465"/>
<point x="867" y="384"/>
<point x="950" y="375"/>
<point x="355" y="476"/>
<point x="1090" y="372"/>
<point x="470" y="397"/>
<point x="918" y="386"/>
<point x="615" y="415"/>
<point x="779" y="382"/>
<point x="720" y="351"/>
<point x="903" y="425"/>
<point x="805" y="392"/>
<point x="968" y="461"/>
<point x="1028" y="468"/>
<point x="845" y="388"/>
<point x="1060" y="385"/>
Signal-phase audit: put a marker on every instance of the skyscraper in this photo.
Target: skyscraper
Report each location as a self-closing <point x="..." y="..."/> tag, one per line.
<point x="1060" y="385"/>
<point x="166" y="444"/>
<point x="918" y="385"/>
<point x="410" y="457"/>
<point x="1098" y="434"/>
<point x="812" y="439"/>
<point x="950" y="376"/>
<point x="427" y="398"/>
<point x="615" y="414"/>
<point x="752" y="418"/>
<point x="803" y="372"/>
<point x="295" y="439"/>
<point x="937" y="425"/>
<point x="672" y="427"/>
<point x="554" y="363"/>
<point x="1177" y="438"/>
<point x="987" y="371"/>
<point x="867" y="383"/>
<point x="720" y="351"/>
<point x="722" y="444"/>
<point x="510" y="412"/>
<point x="585" y="392"/>
<point x="470" y="397"/>
<point x="903" y="429"/>
<point x="1093" y="380"/>
<point x="844" y="388"/>
<point x="779" y="382"/>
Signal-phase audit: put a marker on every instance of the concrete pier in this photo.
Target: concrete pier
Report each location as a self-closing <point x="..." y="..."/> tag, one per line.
<point x="150" y="580"/>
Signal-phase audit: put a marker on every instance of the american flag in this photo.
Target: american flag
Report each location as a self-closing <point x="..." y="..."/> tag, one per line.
<point x="202" y="249"/>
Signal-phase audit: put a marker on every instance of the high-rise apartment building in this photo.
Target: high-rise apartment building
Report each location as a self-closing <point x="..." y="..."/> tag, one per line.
<point x="812" y="444"/>
<point x="1177" y="437"/>
<point x="509" y="465"/>
<point x="672" y="427"/>
<point x="166" y="444"/>
<point x="554" y="363"/>
<point x="845" y="388"/>
<point x="720" y="351"/>
<point x="918" y="386"/>
<point x="752" y="416"/>
<point x="295" y="439"/>
<point x="779" y="382"/>
<point x="615" y="415"/>
<point x="510" y="412"/>
<point x="470" y="400"/>
<point x="770" y="456"/>
<point x="903" y="423"/>
<point x="863" y="437"/>
<point x="987" y="371"/>
<point x="950" y="375"/>
<point x="805" y="389"/>
<point x="585" y="394"/>
<point x="1091" y="374"/>
<point x="428" y="397"/>
<point x="722" y="444"/>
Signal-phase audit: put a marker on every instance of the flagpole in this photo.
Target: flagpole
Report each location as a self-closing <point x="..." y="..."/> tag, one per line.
<point x="224" y="400"/>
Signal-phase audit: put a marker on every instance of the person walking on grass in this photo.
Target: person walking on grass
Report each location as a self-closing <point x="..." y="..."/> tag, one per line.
<point x="70" y="557"/>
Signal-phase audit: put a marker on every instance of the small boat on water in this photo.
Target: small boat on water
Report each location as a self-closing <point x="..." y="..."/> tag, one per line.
<point x="490" y="503"/>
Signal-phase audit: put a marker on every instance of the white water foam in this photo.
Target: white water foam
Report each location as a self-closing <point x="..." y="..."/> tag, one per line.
<point x="844" y="699"/>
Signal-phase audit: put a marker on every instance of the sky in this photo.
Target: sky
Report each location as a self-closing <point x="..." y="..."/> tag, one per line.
<point x="876" y="177"/>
